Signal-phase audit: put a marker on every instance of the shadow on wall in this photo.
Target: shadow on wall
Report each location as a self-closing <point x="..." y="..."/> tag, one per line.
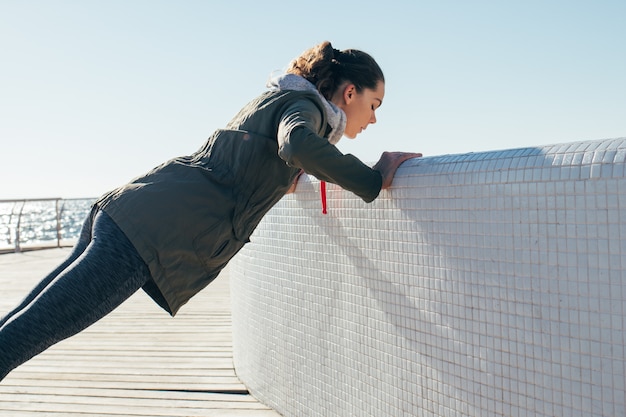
<point x="479" y="283"/>
<point x="491" y="261"/>
<point x="453" y="234"/>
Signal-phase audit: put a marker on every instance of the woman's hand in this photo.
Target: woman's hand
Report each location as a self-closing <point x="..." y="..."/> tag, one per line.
<point x="389" y="163"/>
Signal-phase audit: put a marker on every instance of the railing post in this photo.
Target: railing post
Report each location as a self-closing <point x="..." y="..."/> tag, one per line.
<point x="10" y="238"/>
<point x="17" y="228"/>
<point x="58" y="216"/>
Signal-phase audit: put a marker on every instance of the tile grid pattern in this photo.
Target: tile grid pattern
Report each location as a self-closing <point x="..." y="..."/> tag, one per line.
<point x="484" y="284"/>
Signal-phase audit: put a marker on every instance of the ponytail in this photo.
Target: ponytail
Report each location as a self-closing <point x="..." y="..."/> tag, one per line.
<point x="327" y="68"/>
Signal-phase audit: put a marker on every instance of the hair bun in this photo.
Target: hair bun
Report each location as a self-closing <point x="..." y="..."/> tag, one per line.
<point x="327" y="67"/>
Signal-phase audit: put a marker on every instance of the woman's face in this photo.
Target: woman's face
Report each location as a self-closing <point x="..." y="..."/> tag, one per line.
<point x="360" y="108"/>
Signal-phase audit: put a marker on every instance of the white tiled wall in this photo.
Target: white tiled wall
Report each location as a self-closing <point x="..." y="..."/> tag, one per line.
<point x="485" y="284"/>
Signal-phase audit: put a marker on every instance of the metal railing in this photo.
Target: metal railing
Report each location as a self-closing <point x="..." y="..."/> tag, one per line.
<point x="29" y="224"/>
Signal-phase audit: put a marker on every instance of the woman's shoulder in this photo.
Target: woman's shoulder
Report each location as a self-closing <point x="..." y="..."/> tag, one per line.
<point x="287" y="97"/>
<point x="271" y="105"/>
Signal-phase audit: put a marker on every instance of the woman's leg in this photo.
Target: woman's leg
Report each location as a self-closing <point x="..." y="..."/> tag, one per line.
<point x="83" y="240"/>
<point x="108" y="272"/>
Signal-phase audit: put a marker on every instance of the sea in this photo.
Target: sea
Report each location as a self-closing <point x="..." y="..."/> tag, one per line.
<point x="39" y="223"/>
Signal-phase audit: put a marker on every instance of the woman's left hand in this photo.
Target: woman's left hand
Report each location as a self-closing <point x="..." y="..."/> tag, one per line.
<point x="389" y="163"/>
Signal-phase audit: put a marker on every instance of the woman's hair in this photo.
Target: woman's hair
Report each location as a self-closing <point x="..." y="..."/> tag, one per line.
<point x="327" y="68"/>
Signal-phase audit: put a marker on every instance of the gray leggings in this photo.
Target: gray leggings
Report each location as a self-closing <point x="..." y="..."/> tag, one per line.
<point x="103" y="270"/>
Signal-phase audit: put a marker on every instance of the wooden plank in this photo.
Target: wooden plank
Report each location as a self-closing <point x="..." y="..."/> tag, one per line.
<point x="137" y="361"/>
<point x="139" y="393"/>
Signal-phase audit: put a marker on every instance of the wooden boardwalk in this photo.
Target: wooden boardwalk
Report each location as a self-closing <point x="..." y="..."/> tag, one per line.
<point x="138" y="361"/>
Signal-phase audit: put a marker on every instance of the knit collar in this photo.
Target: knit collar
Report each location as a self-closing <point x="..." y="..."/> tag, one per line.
<point x="336" y="117"/>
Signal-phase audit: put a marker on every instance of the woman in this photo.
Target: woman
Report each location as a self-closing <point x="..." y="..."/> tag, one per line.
<point x="172" y="230"/>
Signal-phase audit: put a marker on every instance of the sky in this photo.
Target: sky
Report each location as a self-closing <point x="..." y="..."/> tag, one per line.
<point x="95" y="93"/>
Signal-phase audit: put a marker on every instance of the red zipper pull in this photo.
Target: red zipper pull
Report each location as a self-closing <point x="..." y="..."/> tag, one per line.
<point x="323" y="193"/>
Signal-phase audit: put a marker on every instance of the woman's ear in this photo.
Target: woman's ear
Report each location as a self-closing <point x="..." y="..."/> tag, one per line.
<point x="349" y="92"/>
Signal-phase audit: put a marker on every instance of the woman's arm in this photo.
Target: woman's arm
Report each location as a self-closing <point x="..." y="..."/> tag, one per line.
<point x="301" y="144"/>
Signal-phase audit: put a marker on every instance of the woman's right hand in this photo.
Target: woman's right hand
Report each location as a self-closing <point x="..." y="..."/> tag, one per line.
<point x="388" y="164"/>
